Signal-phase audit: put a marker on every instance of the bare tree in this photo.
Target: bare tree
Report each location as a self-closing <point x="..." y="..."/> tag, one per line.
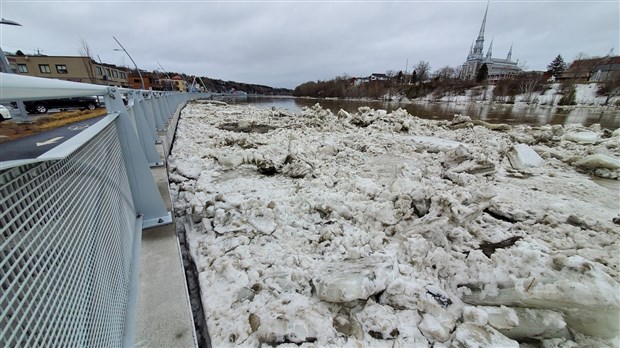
<point x="422" y="70"/>
<point x="522" y="64"/>
<point x="88" y="65"/>
<point x="447" y="72"/>
<point x="580" y="56"/>
<point x="527" y="86"/>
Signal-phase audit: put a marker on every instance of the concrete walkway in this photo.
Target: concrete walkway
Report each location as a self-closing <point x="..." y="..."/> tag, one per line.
<point x="164" y="317"/>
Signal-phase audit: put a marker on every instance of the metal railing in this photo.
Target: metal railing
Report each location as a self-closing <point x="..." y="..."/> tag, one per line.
<point x="71" y="219"/>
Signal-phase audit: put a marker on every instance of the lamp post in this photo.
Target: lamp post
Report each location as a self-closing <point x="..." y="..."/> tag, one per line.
<point x="128" y="55"/>
<point x="6" y="67"/>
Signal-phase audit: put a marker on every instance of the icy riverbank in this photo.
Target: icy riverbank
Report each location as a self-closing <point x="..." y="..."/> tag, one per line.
<point x="585" y="96"/>
<point x="376" y="229"/>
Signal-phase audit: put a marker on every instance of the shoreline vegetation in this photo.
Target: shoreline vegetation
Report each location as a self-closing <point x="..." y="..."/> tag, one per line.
<point x="523" y="90"/>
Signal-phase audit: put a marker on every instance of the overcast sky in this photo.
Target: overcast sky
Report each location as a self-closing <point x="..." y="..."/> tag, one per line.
<point x="285" y="43"/>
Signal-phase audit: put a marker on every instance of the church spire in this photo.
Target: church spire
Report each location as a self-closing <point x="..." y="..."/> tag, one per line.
<point x="484" y="22"/>
<point x="489" y="52"/>
<point x="480" y="40"/>
<point x="509" y="56"/>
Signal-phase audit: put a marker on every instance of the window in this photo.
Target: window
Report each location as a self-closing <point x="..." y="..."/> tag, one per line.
<point x="45" y="69"/>
<point x="22" y="68"/>
<point x="99" y="71"/>
<point x="107" y="72"/>
<point x="137" y="80"/>
<point x="115" y="73"/>
<point x="61" y="68"/>
<point x="123" y="76"/>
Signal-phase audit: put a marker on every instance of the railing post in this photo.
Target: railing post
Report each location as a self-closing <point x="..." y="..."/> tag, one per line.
<point x="162" y="108"/>
<point x="146" y="197"/>
<point x="146" y="132"/>
<point x="168" y="105"/>
<point x="151" y="110"/>
<point x="147" y="116"/>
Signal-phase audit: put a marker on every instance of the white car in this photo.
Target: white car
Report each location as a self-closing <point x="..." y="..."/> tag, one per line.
<point x="5" y="114"/>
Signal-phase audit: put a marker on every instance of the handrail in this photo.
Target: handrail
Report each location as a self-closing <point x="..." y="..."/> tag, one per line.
<point x="88" y="199"/>
<point x="18" y="87"/>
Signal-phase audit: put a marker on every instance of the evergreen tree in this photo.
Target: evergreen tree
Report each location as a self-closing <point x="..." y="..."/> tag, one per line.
<point x="557" y="66"/>
<point x="483" y="73"/>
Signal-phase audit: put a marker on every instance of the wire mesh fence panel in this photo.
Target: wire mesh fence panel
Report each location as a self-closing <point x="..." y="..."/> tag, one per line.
<point x="67" y="230"/>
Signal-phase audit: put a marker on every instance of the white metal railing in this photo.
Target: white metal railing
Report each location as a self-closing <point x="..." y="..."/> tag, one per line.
<point x="71" y="219"/>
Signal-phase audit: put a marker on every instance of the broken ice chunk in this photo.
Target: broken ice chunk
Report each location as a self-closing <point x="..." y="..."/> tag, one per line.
<point x="587" y="296"/>
<point x="263" y="220"/>
<point x="433" y="329"/>
<point x="350" y="280"/>
<point x="379" y="321"/>
<point x="295" y="318"/>
<point x="537" y="323"/>
<point x="436" y="144"/>
<point x="470" y="335"/>
<point x="519" y="323"/>
<point x="190" y="168"/>
<point x="522" y="157"/>
<point x="581" y="137"/>
<point x="598" y="161"/>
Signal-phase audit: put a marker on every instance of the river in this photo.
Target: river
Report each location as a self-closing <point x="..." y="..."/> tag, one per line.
<point x="494" y="113"/>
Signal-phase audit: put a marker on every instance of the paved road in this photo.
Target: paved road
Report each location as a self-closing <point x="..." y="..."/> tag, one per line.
<point x="35" y="145"/>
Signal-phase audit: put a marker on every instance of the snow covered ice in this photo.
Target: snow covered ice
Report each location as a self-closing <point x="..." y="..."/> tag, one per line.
<point x="375" y="229"/>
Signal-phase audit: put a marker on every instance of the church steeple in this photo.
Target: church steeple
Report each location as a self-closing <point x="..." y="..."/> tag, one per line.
<point x="509" y="56"/>
<point x="489" y="52"/>
<point x="480" y="40"/>
<point x="484" y="22"/>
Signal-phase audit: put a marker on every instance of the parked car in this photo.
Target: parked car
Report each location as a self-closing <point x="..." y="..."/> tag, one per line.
<point x="5" y="114"/>
<point x="42" y="106"/>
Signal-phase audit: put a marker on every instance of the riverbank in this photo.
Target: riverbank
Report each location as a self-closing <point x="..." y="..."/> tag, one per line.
<point x="382" y="229"/>
<point x="585" y="96"/>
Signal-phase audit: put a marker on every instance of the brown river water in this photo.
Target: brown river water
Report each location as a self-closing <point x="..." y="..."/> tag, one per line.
<point x="495" y="113"/>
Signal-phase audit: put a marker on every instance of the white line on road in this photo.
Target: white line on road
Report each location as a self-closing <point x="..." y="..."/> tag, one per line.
<point x="50" y="141"/>
<point x="79" y="127"/>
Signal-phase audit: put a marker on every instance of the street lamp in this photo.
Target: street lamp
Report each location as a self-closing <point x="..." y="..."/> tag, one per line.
<point x="128" y="55"/>
<point x="6" y="67"/>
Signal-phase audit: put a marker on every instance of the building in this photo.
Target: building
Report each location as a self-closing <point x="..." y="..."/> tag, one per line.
<point x="593" y="69"/>
<point x="110" y="74"/>
<point x="176" y="83"/>
<point x="69" y="68"/>
<point x="498" y="68"/>
<point x="379" y="77"/>
<point x="136" y="82"/>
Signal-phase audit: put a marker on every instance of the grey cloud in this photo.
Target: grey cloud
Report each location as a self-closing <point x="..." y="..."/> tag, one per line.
<point x="284" y="44"/>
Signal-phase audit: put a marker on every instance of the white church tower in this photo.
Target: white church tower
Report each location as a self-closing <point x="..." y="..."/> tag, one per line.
<point x="498" y="68"/>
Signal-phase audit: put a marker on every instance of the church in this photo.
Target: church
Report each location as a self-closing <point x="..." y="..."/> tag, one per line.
<point x="498" y="68"/>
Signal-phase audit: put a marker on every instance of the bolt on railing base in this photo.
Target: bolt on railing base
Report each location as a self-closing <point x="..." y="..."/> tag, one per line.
<point x="159" y="221"/>
<point x="156" y="164"/>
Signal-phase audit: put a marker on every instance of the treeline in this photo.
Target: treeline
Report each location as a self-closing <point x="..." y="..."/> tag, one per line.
<point x="526" y="85"/>
<point x="446" y="82"/>
<point x="346" y="87"/>
<point x="220" y="86"/>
